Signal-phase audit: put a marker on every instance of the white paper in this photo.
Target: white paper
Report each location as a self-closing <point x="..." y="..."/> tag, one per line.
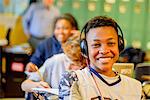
<point x="47" y="90"/>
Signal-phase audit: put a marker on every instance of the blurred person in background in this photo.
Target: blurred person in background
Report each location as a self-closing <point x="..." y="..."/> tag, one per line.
<point x="37" y="21"/>
<point x="64" y="26"/>
<point x="53" y="67"/>
<point x="132" y="55"/>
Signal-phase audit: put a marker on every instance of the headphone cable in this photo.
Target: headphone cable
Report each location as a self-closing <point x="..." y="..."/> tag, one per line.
<point x="99" y="92"/>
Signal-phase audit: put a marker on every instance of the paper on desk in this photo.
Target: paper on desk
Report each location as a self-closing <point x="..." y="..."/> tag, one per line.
<point x="47" y="90"/>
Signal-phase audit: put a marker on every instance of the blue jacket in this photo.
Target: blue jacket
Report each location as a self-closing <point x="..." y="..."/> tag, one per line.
<point x="46" y="49"/>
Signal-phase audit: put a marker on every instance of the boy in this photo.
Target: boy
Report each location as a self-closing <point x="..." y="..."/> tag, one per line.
<point x="101" y="47"/>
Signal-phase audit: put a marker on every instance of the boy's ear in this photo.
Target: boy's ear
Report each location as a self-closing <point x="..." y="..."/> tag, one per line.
<point x="84" y="48"/>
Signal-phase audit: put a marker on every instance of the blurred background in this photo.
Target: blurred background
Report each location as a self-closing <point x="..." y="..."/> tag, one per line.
<point x="133" y="16"/>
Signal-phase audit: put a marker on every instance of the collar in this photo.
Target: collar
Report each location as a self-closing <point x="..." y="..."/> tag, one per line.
<point x="93" y="71"/>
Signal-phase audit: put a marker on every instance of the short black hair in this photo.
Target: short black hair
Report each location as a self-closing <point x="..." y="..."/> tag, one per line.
<point x="68" y="17"/>
<point x="99" y="21"/>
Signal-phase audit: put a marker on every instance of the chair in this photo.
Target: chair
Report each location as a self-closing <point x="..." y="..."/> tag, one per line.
<point x="142" y="72"/>
<point x="146" y="89"/>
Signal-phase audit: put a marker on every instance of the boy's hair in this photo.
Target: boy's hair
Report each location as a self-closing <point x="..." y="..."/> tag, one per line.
<point x="72" y="49"/>
<point x="69" y="17"/>
<point x="98" y="22"/>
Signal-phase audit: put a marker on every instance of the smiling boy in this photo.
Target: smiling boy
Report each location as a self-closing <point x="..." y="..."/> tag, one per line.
<point x="101" y="47"/>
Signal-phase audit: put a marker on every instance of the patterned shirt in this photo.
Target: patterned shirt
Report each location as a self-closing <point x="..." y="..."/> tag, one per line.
<point x="80" y="85"/>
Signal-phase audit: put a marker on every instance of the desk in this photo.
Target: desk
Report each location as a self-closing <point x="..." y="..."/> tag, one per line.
<point x="3" y="42"/>
<point x="146" y="77"/>
<point x="46" y="93"/>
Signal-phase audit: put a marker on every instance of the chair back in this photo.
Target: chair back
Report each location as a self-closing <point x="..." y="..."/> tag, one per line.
<point x="142" y="72"/>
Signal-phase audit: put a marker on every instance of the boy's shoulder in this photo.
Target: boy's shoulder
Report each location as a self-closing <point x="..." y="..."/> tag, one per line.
<point x="130" y="80"/>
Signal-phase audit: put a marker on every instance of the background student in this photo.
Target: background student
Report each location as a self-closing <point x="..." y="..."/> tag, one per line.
<point x="64" y="26"/>
<point x="53" y="67"/>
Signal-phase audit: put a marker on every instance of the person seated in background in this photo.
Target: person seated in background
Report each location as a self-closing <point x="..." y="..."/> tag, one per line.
<point x="64" y="26"/>
<point x="101" y="47"/>
<point x="132" y="55"/>
<point x="53" y="67"/>
<point x="37" y="21"/>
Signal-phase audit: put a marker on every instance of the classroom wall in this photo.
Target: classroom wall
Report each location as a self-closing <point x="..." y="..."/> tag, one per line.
<point x="11" y="12"/>
<point x="133" y="16"/>
<point x="17" y="35"/>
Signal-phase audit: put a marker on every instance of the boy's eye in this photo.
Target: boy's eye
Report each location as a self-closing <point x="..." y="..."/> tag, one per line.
<point x="111" y="43"/>
<point x="96" y="45"/>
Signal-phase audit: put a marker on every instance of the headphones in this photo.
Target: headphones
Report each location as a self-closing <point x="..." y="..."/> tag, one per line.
<point x="83" y="42"/>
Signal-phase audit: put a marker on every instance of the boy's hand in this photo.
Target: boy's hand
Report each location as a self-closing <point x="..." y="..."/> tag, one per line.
<point x="31" y="67"/>
<point x="43" y="84"/>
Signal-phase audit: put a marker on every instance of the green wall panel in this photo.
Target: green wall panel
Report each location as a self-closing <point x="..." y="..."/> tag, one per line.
<point x="134" y="22"/>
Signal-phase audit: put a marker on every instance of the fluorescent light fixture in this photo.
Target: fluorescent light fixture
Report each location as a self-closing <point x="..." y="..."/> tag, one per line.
<point x="110" y="1"/>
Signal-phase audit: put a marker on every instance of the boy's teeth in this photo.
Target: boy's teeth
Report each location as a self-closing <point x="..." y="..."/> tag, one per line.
<point x="104" y="59"/>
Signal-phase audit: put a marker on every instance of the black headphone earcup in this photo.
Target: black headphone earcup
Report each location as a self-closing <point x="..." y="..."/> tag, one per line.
<point x="120" y="43"/>
<point x="84" y="48"/>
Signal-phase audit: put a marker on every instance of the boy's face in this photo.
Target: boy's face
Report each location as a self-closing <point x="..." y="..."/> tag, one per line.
<point x="63" y="30"/>
<point x="103" y="48"/>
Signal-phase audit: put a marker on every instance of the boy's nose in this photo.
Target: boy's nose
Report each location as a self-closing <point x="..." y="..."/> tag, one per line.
<point x="103" y="50"/>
